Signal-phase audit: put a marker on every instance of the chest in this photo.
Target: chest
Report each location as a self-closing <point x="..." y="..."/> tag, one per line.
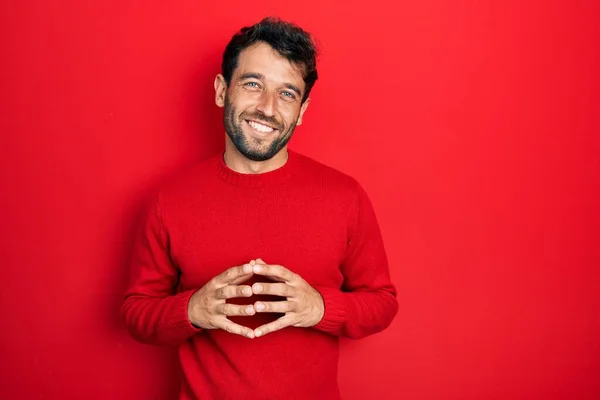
<point x="309" y="237"/>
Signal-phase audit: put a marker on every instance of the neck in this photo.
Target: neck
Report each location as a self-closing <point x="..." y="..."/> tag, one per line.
<point x="239" y="163"/>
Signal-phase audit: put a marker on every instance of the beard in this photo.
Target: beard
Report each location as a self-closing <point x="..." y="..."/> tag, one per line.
<point x="255" y="149"/>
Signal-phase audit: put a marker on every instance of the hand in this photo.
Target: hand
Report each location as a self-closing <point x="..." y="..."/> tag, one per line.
<point x="208" y="308"/>
<point x="304" y="305"/>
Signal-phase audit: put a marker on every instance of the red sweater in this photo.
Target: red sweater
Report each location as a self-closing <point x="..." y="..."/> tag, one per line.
<point x="308" y="217"/>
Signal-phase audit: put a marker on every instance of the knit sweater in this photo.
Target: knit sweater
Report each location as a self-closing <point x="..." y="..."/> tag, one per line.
<point x="314" y="220"/>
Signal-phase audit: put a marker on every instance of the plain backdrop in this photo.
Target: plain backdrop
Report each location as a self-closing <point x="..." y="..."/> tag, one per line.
<point x="474" y="126"/>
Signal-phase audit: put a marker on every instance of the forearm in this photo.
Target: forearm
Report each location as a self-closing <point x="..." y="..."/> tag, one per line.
<point x="158" y="320"/>
<point x="355" y="315"/>
<point x="367" y="304"/>
<point x="152" y="310"/>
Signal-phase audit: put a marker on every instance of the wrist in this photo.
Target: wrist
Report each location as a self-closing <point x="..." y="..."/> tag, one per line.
<point x="194" y="312"/>
<point x="319" y="312"/>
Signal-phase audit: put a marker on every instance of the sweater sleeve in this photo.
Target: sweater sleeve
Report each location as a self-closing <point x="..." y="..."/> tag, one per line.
<point x="153" y="311"/>
<point x="366" y="304"/>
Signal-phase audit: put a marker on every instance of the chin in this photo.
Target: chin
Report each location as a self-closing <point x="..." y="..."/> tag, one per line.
<point x="257" y="157"/>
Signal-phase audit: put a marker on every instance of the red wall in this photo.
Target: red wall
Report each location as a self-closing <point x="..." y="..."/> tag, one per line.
<point x="473" y="125"/>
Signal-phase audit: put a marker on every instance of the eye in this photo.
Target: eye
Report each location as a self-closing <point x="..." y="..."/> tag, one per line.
<point x="288" y="94"/>
<point x="252" y="85"/>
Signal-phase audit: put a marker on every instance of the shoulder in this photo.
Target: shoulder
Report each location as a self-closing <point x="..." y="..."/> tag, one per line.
<point x="320" y="174"/>
<point x="335" y="190"/>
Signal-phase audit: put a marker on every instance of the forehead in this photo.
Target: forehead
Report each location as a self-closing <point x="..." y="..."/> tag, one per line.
<point x="262" y="58"/>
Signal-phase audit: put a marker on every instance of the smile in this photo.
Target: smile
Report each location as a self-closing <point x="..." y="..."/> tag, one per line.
<point x="260" y="127"/>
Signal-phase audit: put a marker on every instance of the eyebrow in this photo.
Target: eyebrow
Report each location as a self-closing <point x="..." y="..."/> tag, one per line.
<point x="260" y="77"/>
<point x="252" y="75"/>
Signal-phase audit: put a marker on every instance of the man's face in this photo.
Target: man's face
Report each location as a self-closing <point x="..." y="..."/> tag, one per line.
<point x="263" y="103"/>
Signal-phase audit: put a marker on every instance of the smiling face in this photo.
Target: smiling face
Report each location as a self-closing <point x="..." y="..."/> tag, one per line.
<point x="263" y="102"/>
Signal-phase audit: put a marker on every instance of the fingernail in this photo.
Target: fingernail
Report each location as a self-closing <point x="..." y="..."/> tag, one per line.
<point x="257" y="268"/>
<point x="247" y="291"/>
<point x="257" y="333"/>
<point x="257" y="288"/>
<point x="260" y="306"/>
<point x="249" y="310"/>
<point x="250" y="335"/>
<point x="247" y="268"/>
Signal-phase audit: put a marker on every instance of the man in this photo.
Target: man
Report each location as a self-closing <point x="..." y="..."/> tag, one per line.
<point x="258" y="260"/>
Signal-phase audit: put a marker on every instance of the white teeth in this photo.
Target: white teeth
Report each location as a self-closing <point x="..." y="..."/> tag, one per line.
<point x="260" y="127"/>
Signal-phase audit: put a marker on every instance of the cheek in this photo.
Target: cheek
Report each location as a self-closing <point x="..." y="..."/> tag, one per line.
<point x="289" y="113"/>
<point x="243" y="101"/>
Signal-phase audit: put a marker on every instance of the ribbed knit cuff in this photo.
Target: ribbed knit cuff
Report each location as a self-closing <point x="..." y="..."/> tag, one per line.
<point x="178" y="321"/>
<point x="335" y="310"/>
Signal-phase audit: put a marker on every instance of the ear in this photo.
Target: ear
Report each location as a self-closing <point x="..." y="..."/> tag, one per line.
<point x="302" y="110"/>
<point x="220" y="89"/>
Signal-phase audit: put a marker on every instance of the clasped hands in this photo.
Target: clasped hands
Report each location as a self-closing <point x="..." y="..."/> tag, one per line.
<point x="303" y="306"/>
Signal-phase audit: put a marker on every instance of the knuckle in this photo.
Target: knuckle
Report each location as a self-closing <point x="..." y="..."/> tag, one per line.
<point x="213" y="285"/>
<point x="230" y="273"/>
<point x="204" y="301"/>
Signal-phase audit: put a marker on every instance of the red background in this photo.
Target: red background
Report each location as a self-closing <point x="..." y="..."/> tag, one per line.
<point x="473" y="125"/>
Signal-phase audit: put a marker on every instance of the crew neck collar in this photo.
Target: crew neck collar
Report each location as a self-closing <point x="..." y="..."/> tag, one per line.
<point x="274" y="177"/>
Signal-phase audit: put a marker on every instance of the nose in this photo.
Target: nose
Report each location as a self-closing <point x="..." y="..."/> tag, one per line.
<point x="266" y="103"/>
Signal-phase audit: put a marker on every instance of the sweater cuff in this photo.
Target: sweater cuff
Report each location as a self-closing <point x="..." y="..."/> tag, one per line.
<point x="178" y="319"/>
<point x="335" y="315"/>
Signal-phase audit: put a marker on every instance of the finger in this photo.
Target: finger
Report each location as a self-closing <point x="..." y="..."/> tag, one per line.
<point x="274" y="271"/>
<point x="233" y="274"/>
<point x="231" y="291"/>
<point x="275" y="306"/>
<point x="234" y="328"/>
<point x="231" y="310"/>
<point x="242" y="279"/>
<point x="276" y="289"/>
<point x="276" y="325"/>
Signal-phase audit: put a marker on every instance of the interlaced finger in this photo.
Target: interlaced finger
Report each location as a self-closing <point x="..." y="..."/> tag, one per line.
<point x="275" y="306"/>
<point x="276" y="289"/>
<point x="231" y="291"/>
<point x="231" y="310"/>
<point x="234" y="328"/>
<point x="233" y="274"/>
<point x="276" y="325"/>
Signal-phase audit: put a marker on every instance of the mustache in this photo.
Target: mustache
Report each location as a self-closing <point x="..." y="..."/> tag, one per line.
<point x="271" y="121"/>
